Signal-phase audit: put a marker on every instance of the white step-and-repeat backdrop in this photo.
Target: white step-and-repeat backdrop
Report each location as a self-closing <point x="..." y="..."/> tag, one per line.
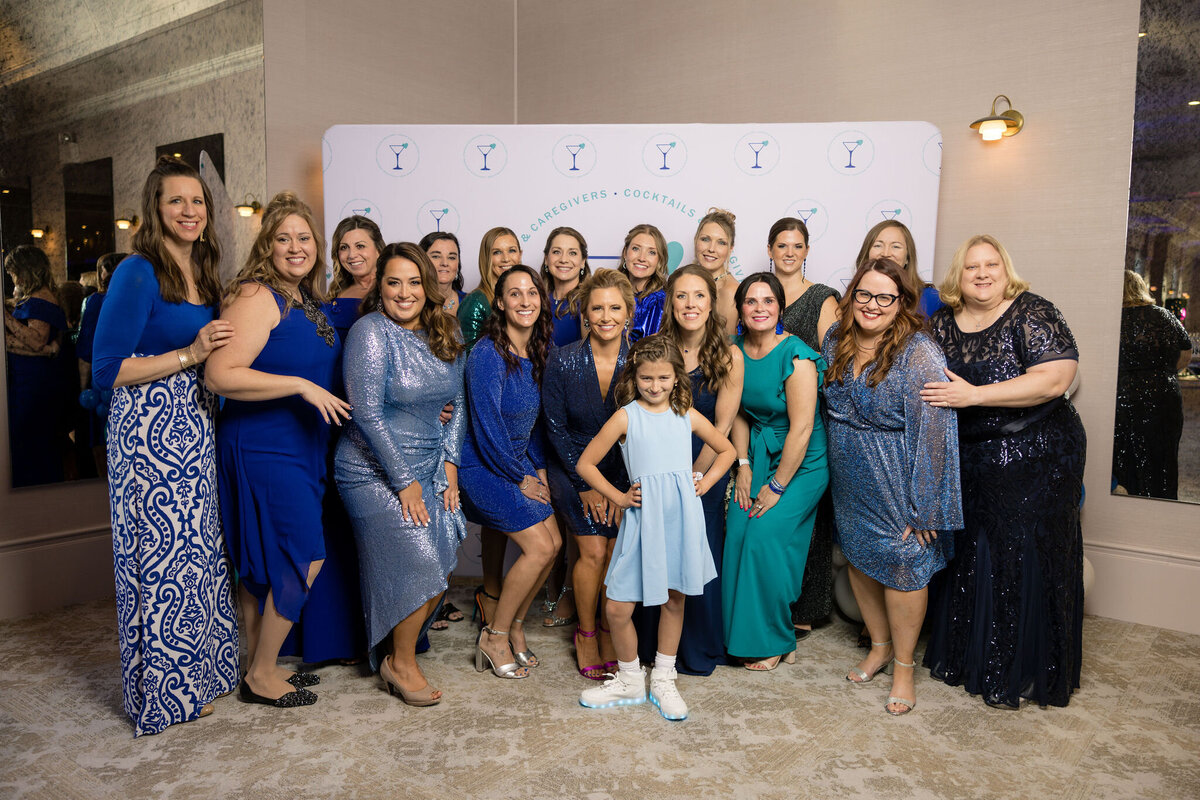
<point x="840" y="178"/>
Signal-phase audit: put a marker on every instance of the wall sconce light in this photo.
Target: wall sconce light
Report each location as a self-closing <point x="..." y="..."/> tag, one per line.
<point x="248" y="206"/>
<point x="38" y="233"/>
<point x="126" y="222"/>
<point x="1007" y="123"/>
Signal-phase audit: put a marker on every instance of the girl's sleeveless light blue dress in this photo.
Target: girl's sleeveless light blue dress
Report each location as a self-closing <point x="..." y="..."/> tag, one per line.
<point x="662" y="545"/>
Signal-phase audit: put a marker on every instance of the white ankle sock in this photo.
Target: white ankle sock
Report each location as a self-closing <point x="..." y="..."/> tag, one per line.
<point x="664" y="662"/>
<point x="629" y="666"/>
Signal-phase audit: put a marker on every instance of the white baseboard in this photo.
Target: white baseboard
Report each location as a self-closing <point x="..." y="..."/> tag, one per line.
<point x="1146" y="588"/>
<point x="41" y="575"/>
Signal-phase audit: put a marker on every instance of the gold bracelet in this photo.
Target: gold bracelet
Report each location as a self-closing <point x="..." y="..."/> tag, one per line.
<point x="184" y="358"/>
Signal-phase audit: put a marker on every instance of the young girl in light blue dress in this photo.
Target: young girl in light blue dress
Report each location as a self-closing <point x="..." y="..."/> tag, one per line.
<point x="661" y="553"/>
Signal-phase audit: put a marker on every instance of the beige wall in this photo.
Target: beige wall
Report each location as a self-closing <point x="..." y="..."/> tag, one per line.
<point x="1056" y="194"/>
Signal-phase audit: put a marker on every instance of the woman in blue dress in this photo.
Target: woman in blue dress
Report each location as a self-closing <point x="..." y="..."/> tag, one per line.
<point x="578" y="397"/>
<point x="397" y="464"/>
<point x="782" y="473"/>
<point x="893" y="463"/>
<point x="644" y="262"/>
<point x="176" y="621"/>
<point x="443" y="251"/>
<point x="564" y="267"/>
<point x="36" y="390"/>
<point x="715" y="369"/>
<point x="331" y="627"/>
<point x="503" y="474"/>
<point x="273" y="437"/>
<point x="89" y="398"/>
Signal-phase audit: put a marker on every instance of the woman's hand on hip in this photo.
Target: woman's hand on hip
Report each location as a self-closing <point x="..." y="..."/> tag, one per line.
<point x="412" y="504"/>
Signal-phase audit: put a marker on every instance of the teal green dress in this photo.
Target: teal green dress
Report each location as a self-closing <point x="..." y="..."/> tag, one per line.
<point x="764" y="558"/>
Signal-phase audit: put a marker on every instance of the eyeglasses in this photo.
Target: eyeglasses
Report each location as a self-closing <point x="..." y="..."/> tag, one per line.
<point x="862" y="297"/>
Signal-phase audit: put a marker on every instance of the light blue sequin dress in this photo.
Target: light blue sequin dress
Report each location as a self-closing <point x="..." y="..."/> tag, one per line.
<point x="398" y="388"/>
<point x="663" y="544"/>
<point x="893" y="462"/>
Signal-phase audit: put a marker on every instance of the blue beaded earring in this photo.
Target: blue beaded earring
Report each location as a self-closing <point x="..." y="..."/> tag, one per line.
<point x="779" y="327"/>
<point x="740" y="330"/>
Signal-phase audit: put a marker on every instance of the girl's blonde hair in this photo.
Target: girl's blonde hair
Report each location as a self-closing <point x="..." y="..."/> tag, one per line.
<point x="487" y="281"/>
<point x="951" y="289"/>
<point x="649" y="350"/>
<point x="259" y="267"/>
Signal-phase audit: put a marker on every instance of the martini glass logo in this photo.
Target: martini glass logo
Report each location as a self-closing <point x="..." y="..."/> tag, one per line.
<point x="664" y="154"/>
<point x="437" y="216"/>
<point x="574" y="156"/>
<point x="851" y="152"/>
<point x="362" y="207"/>
<point x="756" y="153"/>
<point x="812" y="213"/>
<point x="397" y="155"/>
<point x="889" y="209"/>
<point x="485" y="156"/>
<point x="931" y="154"/>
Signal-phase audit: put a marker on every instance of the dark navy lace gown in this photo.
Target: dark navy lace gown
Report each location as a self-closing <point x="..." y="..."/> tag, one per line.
<point x="1008" y="619"/>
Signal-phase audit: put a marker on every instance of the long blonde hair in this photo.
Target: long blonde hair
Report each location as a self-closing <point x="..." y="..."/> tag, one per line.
<point x="487" y="281"/>
<point x="659" y="279"/>
<point x="1136" y="292"/>
<point x="259" y="267"/>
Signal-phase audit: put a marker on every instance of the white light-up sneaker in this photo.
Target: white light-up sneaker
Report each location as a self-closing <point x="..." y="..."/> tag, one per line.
<point x="665" y="696"/>
<point x="621" y="689"/>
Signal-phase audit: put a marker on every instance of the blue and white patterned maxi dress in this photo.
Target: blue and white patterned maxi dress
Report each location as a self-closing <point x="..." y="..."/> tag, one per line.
<point x="176" y="621"/>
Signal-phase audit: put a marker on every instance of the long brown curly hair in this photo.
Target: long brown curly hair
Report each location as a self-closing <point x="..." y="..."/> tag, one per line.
<point x="441" y="328"/>
<point x="648" y="350"/>
<point x="259" y="267"/>
<point x="496" y="325"/>
<point x="714" y="358"/>
<point x="892" y="341"/>
<point x="148" y="240"/>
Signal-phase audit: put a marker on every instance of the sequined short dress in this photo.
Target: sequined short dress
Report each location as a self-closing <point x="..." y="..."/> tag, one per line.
<point x="1007" y="622"/>
<point x="893" y="463"/>
<point x="662" y="544"/>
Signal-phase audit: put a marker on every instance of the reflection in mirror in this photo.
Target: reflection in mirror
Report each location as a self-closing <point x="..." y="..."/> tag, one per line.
<point x="1156" y="446"/>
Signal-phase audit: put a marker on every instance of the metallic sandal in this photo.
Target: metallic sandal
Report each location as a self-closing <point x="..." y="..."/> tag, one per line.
<point x="909" y="705"/>
<point x="553" y="620"/>
<point x="863" y="677"/>
<point x="510" y="670"/>
<point x="525" y="658"/>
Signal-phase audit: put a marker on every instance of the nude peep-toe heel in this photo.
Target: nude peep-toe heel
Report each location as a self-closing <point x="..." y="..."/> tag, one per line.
<point x="421" y="697"/>
<point x="885" y="667"/>
<point x="510" y="670"/>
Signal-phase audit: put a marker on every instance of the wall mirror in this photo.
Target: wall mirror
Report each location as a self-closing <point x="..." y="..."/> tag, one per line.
<point x="84" y="111"/>
<point x="1156" y="441"/>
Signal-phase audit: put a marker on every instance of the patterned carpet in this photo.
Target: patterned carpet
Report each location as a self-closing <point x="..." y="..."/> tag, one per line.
<point x="801" y="731"/>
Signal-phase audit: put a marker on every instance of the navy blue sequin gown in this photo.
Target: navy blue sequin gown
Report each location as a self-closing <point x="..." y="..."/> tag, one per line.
<point x="702" y="642"/>
<point x="36" y="391"/>
<point x="331" y="626"/>
<point x="647" y="315"/>
<point x="1008" y="621"/>
<point x="893" y="462"/>
<point x="574" y="412"/>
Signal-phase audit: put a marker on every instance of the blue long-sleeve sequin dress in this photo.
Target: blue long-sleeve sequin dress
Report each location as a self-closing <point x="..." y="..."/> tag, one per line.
<point x="504" y="441"/>
<point x="647" y="315"/>
<point x="398" y="388"/>
<point x="175" y="617"/>
<point x="574" y="412"/>
<point x="893" y="463"/>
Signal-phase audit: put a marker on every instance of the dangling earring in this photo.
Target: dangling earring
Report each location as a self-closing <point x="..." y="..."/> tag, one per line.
<point x="740" y="330"/>
<point x="581" y="271"/>
<point x="202" y="235"/>
<point x="771" y="264"/>
<point x="779" y="327"/>
<point x="586" y="325"/>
